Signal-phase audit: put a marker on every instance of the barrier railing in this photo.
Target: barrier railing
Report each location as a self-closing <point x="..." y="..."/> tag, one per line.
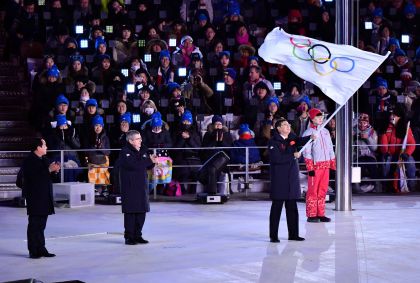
<point x="246" y="167"/>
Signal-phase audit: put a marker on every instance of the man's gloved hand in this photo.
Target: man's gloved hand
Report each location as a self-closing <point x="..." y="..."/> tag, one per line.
<point x="311" y="173"/>
<point x="404" y="156"/>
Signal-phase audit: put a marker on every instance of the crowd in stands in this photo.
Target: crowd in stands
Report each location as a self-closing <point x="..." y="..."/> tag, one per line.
<point x="162" y="67"/>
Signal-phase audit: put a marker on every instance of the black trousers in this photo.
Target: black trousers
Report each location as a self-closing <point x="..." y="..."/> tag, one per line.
<point x="35" y="233"/>
<point x="133" y="224"/>
<point x="292" y="217"/>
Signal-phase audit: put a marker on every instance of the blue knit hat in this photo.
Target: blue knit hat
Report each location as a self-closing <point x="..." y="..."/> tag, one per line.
<point x="305" y="99"/>
<point x="202" y="17"/>
<point x="273" y="99"/>
<point x="53" y="72"/>
<point x="394" y="41"/>
<point x="378" y="12"/>
<point x="77" y="57"/>
<point x="217" y="118"/>
<point x="126" y="117"/>
<point x="172" y="87"/>
<point x="399" y="52"/>
<point x="91" y="102"/>
<point x="244" y="128"/>
<point x="61" y="99"/>
<point x="156" y="122"/>
<point x="187" y="116"/>
<point x="410" y="9"/>
<point x="61" y="120"/>
<point x="100" y="40"/>
<point x="381" y="82"/>
<point x="224" y="53"/>
<point x="231" y="73"/>
<point x="163" y="54"/>
<point x="253" y="58"/>
<point x="97" y="120"/>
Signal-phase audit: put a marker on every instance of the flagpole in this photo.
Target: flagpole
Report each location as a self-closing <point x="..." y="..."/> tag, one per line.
<point x="322" y="126"/>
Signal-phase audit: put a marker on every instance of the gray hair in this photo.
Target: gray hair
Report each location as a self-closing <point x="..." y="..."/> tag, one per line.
<point x="131" y="134"/>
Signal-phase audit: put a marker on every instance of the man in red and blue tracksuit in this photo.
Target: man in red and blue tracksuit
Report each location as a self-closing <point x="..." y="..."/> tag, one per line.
<point x="319" y="159"/>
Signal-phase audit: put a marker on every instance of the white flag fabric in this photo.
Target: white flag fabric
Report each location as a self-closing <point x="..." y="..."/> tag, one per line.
<point x="338" y="70"/>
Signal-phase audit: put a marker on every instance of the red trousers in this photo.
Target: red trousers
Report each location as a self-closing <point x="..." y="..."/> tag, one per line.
<point x="317" y="190"/>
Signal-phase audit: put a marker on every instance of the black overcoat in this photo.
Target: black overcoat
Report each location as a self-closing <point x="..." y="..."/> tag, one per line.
<point x="37" y="186"/>
<point x="131" y="172"/>
<point x="284" y="169"/>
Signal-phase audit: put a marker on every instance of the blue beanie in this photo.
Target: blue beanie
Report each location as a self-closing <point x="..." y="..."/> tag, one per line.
<point x="163" y="54"/>
<point x="126" y="117"/>
<point x="231" y="73"/>
<point x="91" y="102"/>
<point x="172" y="87"/>
<point x="77" y="57"/>
<point x="273" y="99"/>
<point x="156" y="122"/>
<point x="61" y="99"/>
<point x="410" y="9"/>
<point x="244" y="128"/>
<point x="61" y="120"/>
<point x="381" y="82"/>
<point x="224" y="53"/>
<point x="97" y="120"/>
<point x="399" y="52"/>
<point x="187" y="116"/>
<point x="100" y="40"/>
<point x="53" y="72"/>
<point x="305" y="99"/>
<point x="394" y="41"/>
<point x="202" y="17"/>
<point x="103" y="57"/>
<point x="253" y="58"/>
<point x="217" y="118"/>
<point x="378" y="12"/>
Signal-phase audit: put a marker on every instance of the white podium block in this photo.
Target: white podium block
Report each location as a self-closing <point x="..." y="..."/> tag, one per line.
<point x="78" y="194"/>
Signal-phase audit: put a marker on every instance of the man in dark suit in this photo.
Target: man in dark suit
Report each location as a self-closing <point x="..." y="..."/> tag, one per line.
<point x="37" y="189"/>
<point x="284" y="178"/>
<point x="131" y="167"/>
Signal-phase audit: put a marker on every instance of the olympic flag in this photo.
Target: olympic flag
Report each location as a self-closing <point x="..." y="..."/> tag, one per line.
<point x="338" y="70"/>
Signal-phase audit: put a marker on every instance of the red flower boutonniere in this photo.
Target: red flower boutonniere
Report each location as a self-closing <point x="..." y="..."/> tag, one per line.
<point x="292" y="143"/>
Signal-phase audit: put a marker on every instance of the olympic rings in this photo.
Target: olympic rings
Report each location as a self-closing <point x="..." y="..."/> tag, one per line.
<point x="313" y="53"/>
<point x="302" y="45"/>
<point x="345" y="58"/>
<point x="334" y="61"/>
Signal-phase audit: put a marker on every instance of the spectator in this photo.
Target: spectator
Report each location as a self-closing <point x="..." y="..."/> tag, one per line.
<point x="91" y="110"/>
<point x="391" y="150"/>
<point x="182" y="54"/>
<point x="157" y="136"/>
<point x="125" y="46"/>
<point x="301" y="122"/>
<point x="186" y="137"/>
<point x="75" y="69"/>
<point x="366" y="140"/>
<point x="166" y="72"/>
<point x="119" y="132"/>
<point x="246" y="140"/>
<point x="196" y="89"/>
<point x="98" y="161"/>
<point x="216" y="136"/>
<point x="62" y="108"/>
<point x="64" y="137"/>
<point x="255" y="76"/>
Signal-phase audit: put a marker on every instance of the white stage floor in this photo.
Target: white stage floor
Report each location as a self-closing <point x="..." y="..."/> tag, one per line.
<point x="377" y="242"/>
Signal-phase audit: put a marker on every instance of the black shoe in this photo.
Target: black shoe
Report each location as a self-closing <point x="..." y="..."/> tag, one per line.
<point x="324" y="219"/>
<point x="47" y="254"/>
<point x="296" y="238"/>
<point x="313" y="219"/>
<point x="274" y="240"/>
<point x="130" y="242"/>
<point x="34" y="255"/>
<point x="140" y="240"/>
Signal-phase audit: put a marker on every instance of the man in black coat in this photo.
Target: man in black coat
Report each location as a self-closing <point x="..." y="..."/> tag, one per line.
<point x="37" y="189"/>
<point x="131" y="167"/>
<point x="284" y="177"/>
